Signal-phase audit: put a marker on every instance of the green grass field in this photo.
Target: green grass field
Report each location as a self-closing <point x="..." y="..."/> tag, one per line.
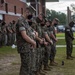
<point x="62" y="34"/>
<point x="68" y="68"/>
<point x="13" y="68"/>
<point x="62" y="42"/>
<point x="7" y="50"/>
<point x="10" y="60"/>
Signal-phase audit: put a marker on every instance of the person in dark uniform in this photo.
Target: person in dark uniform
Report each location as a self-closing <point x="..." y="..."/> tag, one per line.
<point x="0" y="33"/>
<point x="69" y="39"/>
<point x="14" y="30"/>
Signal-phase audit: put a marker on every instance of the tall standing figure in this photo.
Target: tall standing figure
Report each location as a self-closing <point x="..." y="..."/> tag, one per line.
<point x="25" y="43"/>
<point x="53" y="31"/>
<point x="69" y="40"/>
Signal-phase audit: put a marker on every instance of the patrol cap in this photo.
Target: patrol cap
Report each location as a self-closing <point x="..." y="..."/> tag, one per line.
<point x="56" y="19"/>
<point x="31" y="9"/>
<point x="72" y="23"/>
<point x="42" y="15"/>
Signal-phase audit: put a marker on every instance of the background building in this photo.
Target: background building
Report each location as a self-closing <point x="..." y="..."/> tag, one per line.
<point x="12" y="9"/>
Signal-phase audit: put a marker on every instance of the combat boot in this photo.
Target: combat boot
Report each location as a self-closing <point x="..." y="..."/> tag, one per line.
<point x="53" y="63"/>
<point x="47" y="68"/>
<point x="69" y="58"/>
<point x="42" y="73"/>
<point x="50" y="67"/>
<point x="72" y="57"/>
<point x="38" y="73"/>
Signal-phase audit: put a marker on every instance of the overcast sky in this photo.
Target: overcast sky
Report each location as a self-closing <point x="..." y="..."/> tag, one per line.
<point x="60" y="6"/>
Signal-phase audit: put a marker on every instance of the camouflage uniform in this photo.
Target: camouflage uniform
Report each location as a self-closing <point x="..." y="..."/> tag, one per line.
<point x="0" y="34"/>
<point x="34" y="54"/>
<point x="47" y="48"/>
<point x="9" y="34"/>
<point x="5" y="30"/>
<point x="34" y="26"/>
<point x="3" y="34"/>
<point x="13" y="34"/>
<point x="40" y="48"/>
<point x="42" y="52"/>
<point x="69" y="39"/>
<point x="53" y="47"/>
<point x="24" y="48"/>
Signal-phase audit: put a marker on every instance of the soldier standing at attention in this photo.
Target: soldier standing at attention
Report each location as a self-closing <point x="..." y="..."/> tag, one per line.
<point x="9" y="34"/>
<point x="69" y="39"/>
<point x="54" y="39"/>
<point x="48" y="47"/>
<point x="3" y="32"/>
<point x="0" y="33"/>
<point x="25" y="43"/>
<point x="14" y="31"/>
<point x="32" y="24"/>
<point x="40" y="45"/>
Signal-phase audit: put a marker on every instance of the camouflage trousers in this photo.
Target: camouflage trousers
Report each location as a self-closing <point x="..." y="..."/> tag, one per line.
<point x="28" y="63"/>
<point x="40" y="55"/>
<point x="53" y="52"/>
<point x="0" y="39"/>
<point x="46" y="55"/>
<point x="13" y="38"/>
<point x="33" y="60"/>
<point x="9" y="35"/>
<point x="5" y="39"/>
<point x="69" y="48"/>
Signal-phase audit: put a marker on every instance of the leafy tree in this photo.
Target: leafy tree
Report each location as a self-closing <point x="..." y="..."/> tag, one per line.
<point x="73" y="6"/>
<point x="51" y="14"/>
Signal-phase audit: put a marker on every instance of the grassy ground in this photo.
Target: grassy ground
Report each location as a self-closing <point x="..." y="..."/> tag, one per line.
<point x="62" y="42"/>
<point x="7" y="51"/>
<point x="10" y="62"/>
<point x="68" y="68"/>
<point x="62" y="34"/>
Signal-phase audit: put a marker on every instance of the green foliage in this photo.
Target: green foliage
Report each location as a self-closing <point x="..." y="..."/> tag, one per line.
<point x="62" y="42"/>
<point x="67" y="69"/>
<point x="60" y="34"/>
<point x="51" y="14"/>
<point x="73" y="6"/>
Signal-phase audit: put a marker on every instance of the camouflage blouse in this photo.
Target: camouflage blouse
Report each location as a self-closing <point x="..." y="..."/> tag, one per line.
<point x="22" y="44"/>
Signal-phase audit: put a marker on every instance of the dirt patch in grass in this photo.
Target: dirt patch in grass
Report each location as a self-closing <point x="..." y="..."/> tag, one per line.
<point x="9" y="65"/>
